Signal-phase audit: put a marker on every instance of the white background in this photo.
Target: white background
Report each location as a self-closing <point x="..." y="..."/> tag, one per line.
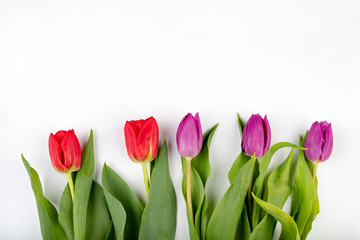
<point x="95" y="64"/>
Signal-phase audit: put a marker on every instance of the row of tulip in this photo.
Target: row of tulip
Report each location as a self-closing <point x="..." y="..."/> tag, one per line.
<point x="249" y="209"/>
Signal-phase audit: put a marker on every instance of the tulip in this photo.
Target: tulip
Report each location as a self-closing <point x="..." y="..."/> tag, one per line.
<point x="256" y="136"/>
<point x="65" y="154"/>
<point x="255" y="143"/>
<point x="189" y="140"/>
<point x="189" y="136"/>
<point x="319" y="142"/>
<point x="65" y="151"/>
<point x="142" y="139"/>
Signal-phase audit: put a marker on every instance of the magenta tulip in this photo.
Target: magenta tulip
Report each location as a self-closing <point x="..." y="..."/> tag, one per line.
<point x="256" y="136"/>
<point x="319" y="142"/>
<point x="189" y="136"/>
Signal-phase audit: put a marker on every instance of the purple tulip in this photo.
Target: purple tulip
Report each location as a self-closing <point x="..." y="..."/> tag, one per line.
<point x="189" y="136"/>
<point x="319" y="142"/>
<point x="256" y="136"/>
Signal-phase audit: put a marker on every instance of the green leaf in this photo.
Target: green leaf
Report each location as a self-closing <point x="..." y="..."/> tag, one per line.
<point x="314" y="212"/>
<point x="289" y="229"/>
<point x="200" y="172"/>
<point x="244" y="231"/>
<point x="315" y="207"/>
<point x="204" y="218"/>
<point x="241" y="159"/>
<point x="83" y="183"/>
<point x="277" y="190"/>
<point x="118" y="214"/>
<point x="259" y="182"/>
<point x="159" y="216"/>
<point x="241" y="124"/>
<point x="98" y="222"/>
<point x="121" y="199"/>
<point x="235" y="168"/>
<point x="225" y="219"/>
<point x="304" y="193"/>
<point x="48" y="216"/>
<point x="201" y="162"/>
<point x="197" y="199"/>
<point x="66" y="213"/>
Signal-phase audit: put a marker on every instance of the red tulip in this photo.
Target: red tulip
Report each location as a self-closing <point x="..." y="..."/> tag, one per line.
<point x="65" y="151"/>
<point x="141" y="138"/>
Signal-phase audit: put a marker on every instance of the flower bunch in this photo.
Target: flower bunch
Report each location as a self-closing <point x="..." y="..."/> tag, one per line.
<point x="249" y="209"/>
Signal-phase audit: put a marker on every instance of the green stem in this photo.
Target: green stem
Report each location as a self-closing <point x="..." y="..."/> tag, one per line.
<point x="249" y="196"/>
<point x="188" y="187"/>
<point x="314" y="171"/>
<point x="71" y="185"/>
<point x="146" y="178"/>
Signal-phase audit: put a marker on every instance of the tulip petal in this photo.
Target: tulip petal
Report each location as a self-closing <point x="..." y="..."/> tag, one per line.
<point x="267" y="131"/>
<point x="328" y="137"/>
<point x="199" y="132"/>
<point x="314" y="142"/>
<point x="56" y="154"/>
<point x="131" y="132"/>
<point x="60" y="135"/>
<point x="183" y="121"/>
<point x="139" y="123"/>
<point x="71" y="150"/>
<point x="148" y="139"/>
<point x="180" y="129"/>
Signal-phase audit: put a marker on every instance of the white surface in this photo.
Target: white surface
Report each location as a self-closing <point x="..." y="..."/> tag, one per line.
<point x="96" y="64"/>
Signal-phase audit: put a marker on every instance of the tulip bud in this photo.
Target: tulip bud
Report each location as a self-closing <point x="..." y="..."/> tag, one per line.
<point x="65" y="151"/>
<point x="142" y="139"/>
<point x="189" y="136"/>
<point x="319" y="142"/>
<point x="256" y="136"/>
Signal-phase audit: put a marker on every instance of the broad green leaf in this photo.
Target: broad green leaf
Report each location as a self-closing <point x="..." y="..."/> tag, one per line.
<point x="200" y="172"/>
<point x="241" y="124"/>
<point x="259" y="182"/>
<point x="125" y="199"/>
<point x="98" y="222"/>
<point x="244" y="231"/>
<point x="201" y="162"/>
<point x="314" y="212"/>
<point x="277" y="191"/>
<point x="241" y="159"/>
<point x="204" y="218"/>
<point x="83" y="183"/>
<point x="48" y="216"/>
<point x="159" y="216"/>
<point x="289" y="229"/>
<point x="197" y="198"/>
<point x="66" y="213"/>
<point x="224" y="222"/>
<point x="235" y="168"/>
<point x="304" y="192"/>
<point x="118" y="215"/>
<point x="315" y="207"/>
